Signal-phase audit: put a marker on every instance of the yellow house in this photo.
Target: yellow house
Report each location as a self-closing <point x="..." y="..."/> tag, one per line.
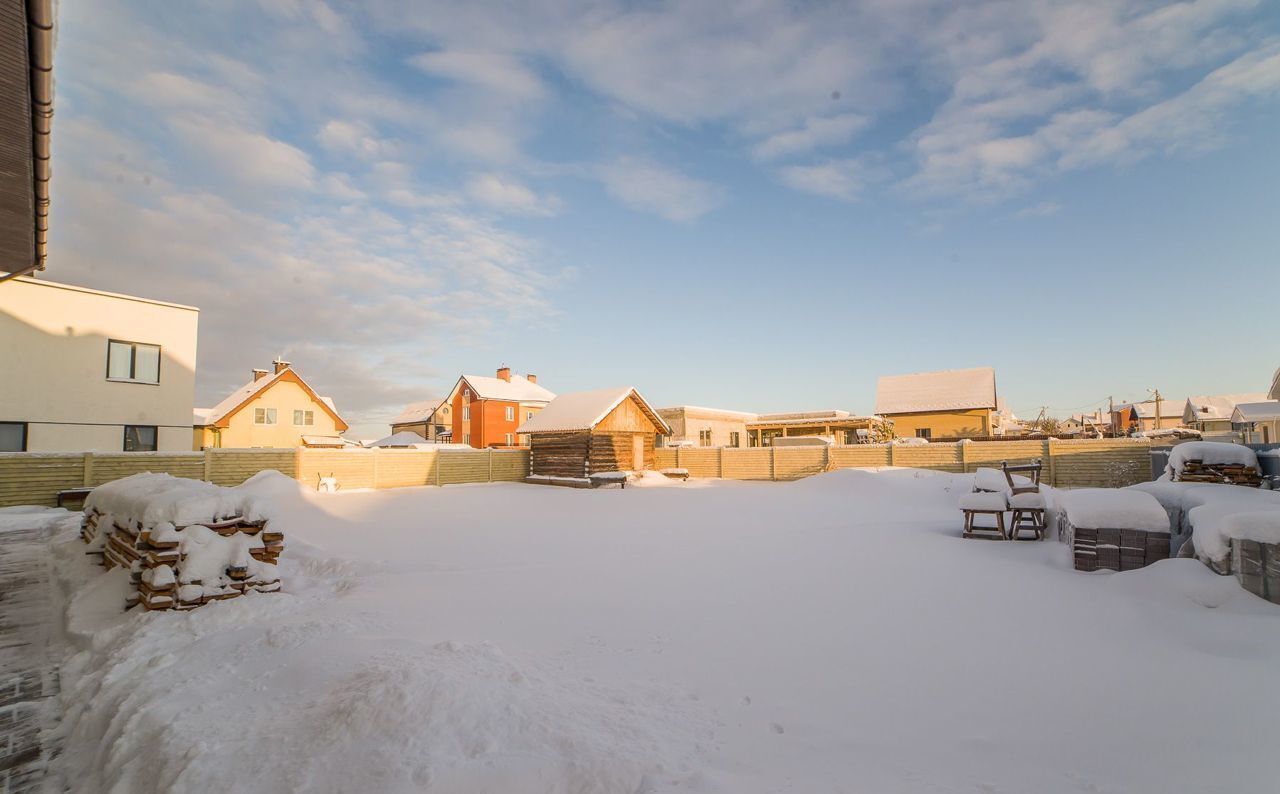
<point x="275" y="409"/>
<point x="956" y="403"/>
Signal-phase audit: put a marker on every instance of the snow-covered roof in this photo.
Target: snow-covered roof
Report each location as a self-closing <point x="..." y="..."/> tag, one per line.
<point x="420" y="411"/>
<point x="324" y="441"/>
<point x="1264" y="411"/>
<point x="247" y="392"/>
<point x="518" y="389"/>
<point x="405" y="438"/>
<point x="704" y="410"/>
<point x="949" y="390"/>
<point x="584" y="410"/>
<point x="200" y="416"/>
<point x="1274" y="394"/>
<point x="1168" y="409"/>
<point x="1204" y="407"/>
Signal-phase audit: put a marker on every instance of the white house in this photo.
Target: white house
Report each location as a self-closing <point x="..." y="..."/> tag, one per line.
<point x="86" y="370"/>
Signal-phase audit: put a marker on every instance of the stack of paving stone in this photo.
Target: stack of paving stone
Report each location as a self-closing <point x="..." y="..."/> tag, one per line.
<point x="1257" y="567"/>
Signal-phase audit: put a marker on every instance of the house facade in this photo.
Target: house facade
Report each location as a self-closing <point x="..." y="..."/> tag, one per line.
<point x="432" y="419"/>
<point x="959" y="403"/>
<point x="487" y="411"/>
<point x="87" y="370"/>
<point x="1148" y="415"/>
<point x="276" y="409"/>
<point x="1212" y="413"/>
<point x="713" y="427"/>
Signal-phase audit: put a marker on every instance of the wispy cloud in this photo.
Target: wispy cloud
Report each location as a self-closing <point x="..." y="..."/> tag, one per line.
<point x="814" y="133"/>
<point x="657" y="189"/>
<point x="510" y="196"/>
<point x="838" y="179"/>
<point x="496" y="71"/>
<point x="1044" y="209"/>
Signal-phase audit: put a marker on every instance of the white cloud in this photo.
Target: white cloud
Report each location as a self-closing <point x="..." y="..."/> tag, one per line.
<point x="250" y="158"/>
<point x="814" y="133"/>
<point x="838" y="179"/>
<point x="1044" y="209"/>
<point x="510" y="196"/>
<point x="355" y="138"/>
<point x="495" y="71"/>
<point x="653" y="188"/>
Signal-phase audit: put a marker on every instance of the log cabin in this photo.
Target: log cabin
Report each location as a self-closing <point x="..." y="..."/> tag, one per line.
<point x="586" y="433"/>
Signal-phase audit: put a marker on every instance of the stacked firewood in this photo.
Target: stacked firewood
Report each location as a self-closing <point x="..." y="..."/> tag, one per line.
<point x="1228" y="473"/>
<point x="184" y="567"/>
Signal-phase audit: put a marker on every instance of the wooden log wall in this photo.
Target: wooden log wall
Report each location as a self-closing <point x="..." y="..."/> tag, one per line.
<point x="559" y="454"/>
<point x="615" y="451"/>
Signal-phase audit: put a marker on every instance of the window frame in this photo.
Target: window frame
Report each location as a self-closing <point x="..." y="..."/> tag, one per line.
<point x="133" y="363"/>
<point x="510" y="439"/>
<point x="26" y="429"/>
<point x="265" y="412"/>
<point x="509" y="414"/>
<point x="466" y="413"/>
<point x="925" y="433"/>
<point x="704" y="437"/>
<point x="155" y="440"/>
<point x="735" y="438"/>
<point x="304" y="412"/>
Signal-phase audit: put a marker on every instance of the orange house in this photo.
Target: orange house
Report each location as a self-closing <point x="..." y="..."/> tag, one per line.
<point x="487" y="410"/>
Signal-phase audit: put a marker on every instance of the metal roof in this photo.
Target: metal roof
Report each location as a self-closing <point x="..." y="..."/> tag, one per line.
<point x="26" y="116"/>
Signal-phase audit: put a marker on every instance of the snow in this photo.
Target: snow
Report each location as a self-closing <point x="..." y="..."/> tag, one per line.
<point x="419" y="411"/>
<point x="987" y="479"/>
<point x="949" y="390"/>
<point x="405" y="438"/>
<point x="829" y="634"/>
<point x="518" y="389"/>
<point x="1215" y="525"/>
<point x="1183" y="502"/>
<point x="1266" y="411"/>
<point x="1214" y="453"/>
<point x="983" y="500"/>
<point x="1028" y="501"/>
<point x="584" y="410"/>
<point x="1123" y="508"/>
<point x="1204" y="407"/>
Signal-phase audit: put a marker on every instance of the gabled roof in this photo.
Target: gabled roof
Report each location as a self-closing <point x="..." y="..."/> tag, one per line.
<point x="405" y="438"/>
<point x="420" y="411"/>
<point x="220" y="414"/>
<point x="949" y="390"/>
<point x="1264" y="411"/>
<point x="518" y="389"/>
<point x="1201" y="408"/>
<point x="585" y="409"/>
<point x="1147" y="410"/>
<point x="1274" y="394"/>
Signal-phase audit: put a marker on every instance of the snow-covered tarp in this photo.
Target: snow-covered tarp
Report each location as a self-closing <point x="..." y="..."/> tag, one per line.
<point x="148" y="499"/>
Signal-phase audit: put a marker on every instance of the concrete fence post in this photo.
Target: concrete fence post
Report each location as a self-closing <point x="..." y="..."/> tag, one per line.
<point x="893" y="455"/>
<point x="490" y="464"/>
<point x="773" y="463"/>
<point x="207" y="469"/>
<point x="88" y="470"/>
<point x="964" y="457"/>
<point x="297" y="466"/>
<point x="677" y="457"/>
<point x="1048" y="457"/>
<point x="720" y="464"/>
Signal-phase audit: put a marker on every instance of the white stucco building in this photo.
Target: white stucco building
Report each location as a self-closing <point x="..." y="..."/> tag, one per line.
<point x="85" y="370"/>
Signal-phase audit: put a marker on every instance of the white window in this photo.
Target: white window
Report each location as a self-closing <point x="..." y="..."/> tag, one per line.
<point x="264" y="416"/>
<point x="704" y="438"/>
<point x="466" y="413"/>
<point x="511" y="440"/>
<point x="304" y="418"/>
<point x="509" y="414"/>
<point x="133" y="361"/>
<point x="466" y="438"/>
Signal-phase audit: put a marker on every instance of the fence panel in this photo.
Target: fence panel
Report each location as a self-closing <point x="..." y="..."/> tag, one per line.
<point x="794" y="463"/>
<point x="462" y="466"/>
<point x="398" y="468"/>
<point x="33" y="478"/>
<point x="108" y="466"/>
<point x="352" y="468"/>
<point x="664" y="458"/>
<point x="510" y="465"/>
<point x="940" y="457"/>
<point x="701" y="462"/>
<point x="863" y="456"/>
<point x="989" y="453"/>
<point x="234" y="466"/>
<point x="1100" y="463"/>
<point x="747" y="464"/>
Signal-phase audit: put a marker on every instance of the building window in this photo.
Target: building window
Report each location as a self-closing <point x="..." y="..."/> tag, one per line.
<point x="528" y="415"/>
<point x="264" y="416"/>
<point x="510" y="414"/>
<point x="466" y="413"/>
<point x="133" y="361"/>
<point x="704" y="438"/>
<point x="13" y="436"/>
<point x="139" y="438"/>
<point x="511" y="440"/>
<point x="304" y="418"/>
<point x="924" y="432"/>
<point x="466" y="438"/>
<point x="735" y="440"/>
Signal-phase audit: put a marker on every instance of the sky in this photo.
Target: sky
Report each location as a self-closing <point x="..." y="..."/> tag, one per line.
<point x="760" y="206"/>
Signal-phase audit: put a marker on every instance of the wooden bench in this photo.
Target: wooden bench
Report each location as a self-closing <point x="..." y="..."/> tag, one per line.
<point x="979" y="503"/>
<point x="72" y="494"/>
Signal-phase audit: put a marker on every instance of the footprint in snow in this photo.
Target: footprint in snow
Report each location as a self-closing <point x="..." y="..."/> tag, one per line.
<point x="746" y="701"/>
<point x="776" y="728"/>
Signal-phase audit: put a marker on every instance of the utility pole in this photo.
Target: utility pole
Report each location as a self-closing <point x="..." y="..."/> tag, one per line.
<point x="1111" y="414"/>
<point x="1156" y="392"/>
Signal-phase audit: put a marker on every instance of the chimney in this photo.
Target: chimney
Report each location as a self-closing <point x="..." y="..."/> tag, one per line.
<point x="280" y="365"/>
<point x="504" y="373"/>
<point x="259" y="374"/>
<point x="531" y="378"/>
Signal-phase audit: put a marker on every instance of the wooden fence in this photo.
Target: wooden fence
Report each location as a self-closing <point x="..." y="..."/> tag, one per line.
<point x="34" y="478"/>
<point x="1104" y="463"/>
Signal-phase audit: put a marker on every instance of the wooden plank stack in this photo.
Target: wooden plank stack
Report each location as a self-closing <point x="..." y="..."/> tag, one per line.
<point x="163" y="568"/>
<point x="1225" y="473"/>
<point x="1257" y="567"/>
<point x="1112" y="549"/>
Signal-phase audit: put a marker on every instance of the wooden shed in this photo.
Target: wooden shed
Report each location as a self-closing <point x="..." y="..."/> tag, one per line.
<point x="585" y="433"/>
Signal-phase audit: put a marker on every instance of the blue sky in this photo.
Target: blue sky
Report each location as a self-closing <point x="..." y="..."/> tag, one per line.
<point x="761" y="208"/>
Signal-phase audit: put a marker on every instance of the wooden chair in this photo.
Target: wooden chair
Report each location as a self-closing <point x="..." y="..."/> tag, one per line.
<point x="1026" y="501"/>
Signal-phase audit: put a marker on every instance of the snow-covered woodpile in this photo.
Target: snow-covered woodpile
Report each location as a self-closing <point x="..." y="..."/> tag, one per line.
<point x="1114" y="530"/>
<point x="1214" y="462"/>
<point x="184" y="542"/>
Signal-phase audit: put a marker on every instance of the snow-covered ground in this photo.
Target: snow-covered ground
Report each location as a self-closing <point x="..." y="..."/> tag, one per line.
<point x="833" y="634"/>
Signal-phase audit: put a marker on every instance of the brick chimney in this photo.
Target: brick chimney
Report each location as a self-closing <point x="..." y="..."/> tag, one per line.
<point x="531" y="378"/>
<point x="504" y="373"/>
<point x="280" y="365"/>
<point x="259" y="374"/>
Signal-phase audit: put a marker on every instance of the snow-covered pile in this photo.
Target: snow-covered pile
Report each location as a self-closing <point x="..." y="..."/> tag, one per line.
<point x="831" y="634"/>
<point x="1214" y="526"/>
<point x="1199" y="512"/>
<point x="1106" y="508"/>
<point x="1211" y="453"/>
<point x="187" y="542"/>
